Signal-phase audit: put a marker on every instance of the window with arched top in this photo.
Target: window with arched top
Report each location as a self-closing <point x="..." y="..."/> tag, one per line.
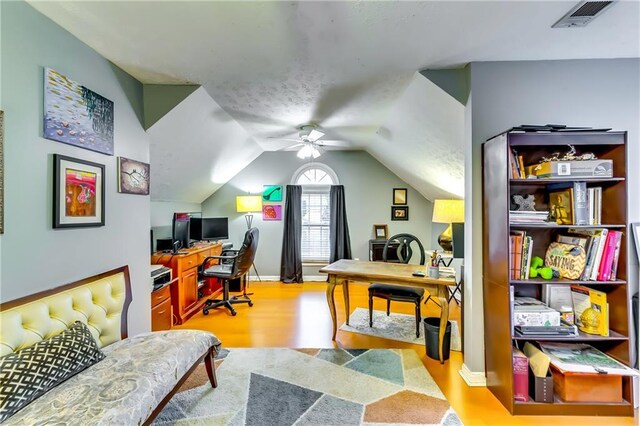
<point x="316" y="180"/>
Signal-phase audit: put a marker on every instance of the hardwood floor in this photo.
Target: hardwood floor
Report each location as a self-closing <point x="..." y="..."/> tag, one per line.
<point x="297" y="316"/>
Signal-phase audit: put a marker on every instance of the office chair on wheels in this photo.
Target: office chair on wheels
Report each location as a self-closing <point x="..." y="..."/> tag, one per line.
<point x="233" y="264"/>
<point x="398" y="293"/>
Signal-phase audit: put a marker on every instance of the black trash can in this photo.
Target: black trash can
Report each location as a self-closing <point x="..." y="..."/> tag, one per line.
<point x="431" y="331"/>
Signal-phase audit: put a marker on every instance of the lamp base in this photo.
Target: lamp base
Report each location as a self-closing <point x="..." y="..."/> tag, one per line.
<point x="249" y="219"/>
<point x="445" y="239"/>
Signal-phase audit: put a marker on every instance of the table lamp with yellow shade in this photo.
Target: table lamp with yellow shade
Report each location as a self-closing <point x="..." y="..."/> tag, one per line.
<point x="249" y="204"/>
<point x="447" y="211"/>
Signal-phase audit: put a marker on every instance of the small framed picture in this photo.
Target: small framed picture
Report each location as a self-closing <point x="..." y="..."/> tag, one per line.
<point x="381" y="232"/>
<point x="400" y="196"/>
<point x="133" y="177"/>
<point x="399" y="213"/>
<point x="78" y="193"/>
<point x="271" y="193"/>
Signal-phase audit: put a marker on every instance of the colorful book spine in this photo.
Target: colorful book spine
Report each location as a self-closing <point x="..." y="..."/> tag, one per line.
<point x="528" y="265"/>
<point x="520" y="376"/>
<point x="580" y="204"/>
<point x="595" y="267"/>
<point x="591" y="203"/>
<point x="517" y="261"/>
<point x="523" y="263"/>
<point x="604" y="273"/>
<point x="616" y="257"/>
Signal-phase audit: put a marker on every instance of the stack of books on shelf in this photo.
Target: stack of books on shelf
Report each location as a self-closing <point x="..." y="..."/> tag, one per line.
<point x="519" y="216"/>
<point x="520" y="249"/>
<point x="602" y="247"/>
<point x="516" y="164"/>
<point x="576" y="205"/>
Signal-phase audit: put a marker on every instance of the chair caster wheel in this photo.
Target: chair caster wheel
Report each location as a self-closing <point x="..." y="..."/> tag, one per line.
<point x="234" y="313"/>
<point x="250" y="303"/>
<point x="205" y="312"/>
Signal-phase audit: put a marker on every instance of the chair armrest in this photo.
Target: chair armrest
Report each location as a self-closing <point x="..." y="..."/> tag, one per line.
<point x="206" y="260"/>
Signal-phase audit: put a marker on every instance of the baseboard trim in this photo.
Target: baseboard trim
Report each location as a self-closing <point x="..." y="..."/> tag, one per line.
<point x="307" y="278"/>
<point x="472" y="378"/>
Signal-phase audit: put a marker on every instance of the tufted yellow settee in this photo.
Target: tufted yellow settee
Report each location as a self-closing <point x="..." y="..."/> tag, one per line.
<point x="154" y="364"/>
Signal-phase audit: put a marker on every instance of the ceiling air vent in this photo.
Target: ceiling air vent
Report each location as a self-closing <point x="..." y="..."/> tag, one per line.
<point x="583" y="13"/>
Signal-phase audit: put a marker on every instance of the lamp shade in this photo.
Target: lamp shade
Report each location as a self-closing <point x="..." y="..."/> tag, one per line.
<point x="248" y="203"/>
<point x="448" y="211"/>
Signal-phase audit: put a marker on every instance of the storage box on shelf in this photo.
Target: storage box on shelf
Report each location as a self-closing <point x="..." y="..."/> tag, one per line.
<point x="499" y="186"/>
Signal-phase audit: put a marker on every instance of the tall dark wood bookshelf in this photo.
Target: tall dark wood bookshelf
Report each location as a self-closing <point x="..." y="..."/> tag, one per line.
<point x="498" y="187"/>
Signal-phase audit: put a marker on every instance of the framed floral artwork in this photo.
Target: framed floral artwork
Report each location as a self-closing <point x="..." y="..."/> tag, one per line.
<point x="78" y="193"/>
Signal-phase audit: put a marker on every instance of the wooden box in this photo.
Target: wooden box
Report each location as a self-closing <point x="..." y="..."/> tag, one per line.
<point x="584" y="387"/>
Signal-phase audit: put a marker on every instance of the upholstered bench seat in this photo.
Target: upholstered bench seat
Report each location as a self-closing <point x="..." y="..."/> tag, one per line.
<point x="126" y="386"/>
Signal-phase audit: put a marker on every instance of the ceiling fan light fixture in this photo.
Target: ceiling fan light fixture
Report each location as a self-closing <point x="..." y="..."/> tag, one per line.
<point x="308" y="151"/>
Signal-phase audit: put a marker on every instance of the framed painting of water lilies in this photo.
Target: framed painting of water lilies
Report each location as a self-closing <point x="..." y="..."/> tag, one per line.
<point x="76" y="115"/>
<point x="78" y="193"/>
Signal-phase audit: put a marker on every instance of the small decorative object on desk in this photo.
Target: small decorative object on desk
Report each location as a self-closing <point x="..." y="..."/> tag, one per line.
<point x="433" y="270"/>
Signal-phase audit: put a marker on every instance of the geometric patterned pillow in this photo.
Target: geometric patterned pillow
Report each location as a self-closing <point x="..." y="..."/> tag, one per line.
<point x="32" y="371"/>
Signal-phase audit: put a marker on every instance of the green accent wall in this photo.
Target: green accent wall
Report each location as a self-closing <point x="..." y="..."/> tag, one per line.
<point x="453" y="81"/>
<point x="159" y="99"/>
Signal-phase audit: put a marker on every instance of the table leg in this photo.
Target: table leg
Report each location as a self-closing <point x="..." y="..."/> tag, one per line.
<point x="331" y="286"/>
<point x="444" y="318"/>
<point x="345" y="293"/>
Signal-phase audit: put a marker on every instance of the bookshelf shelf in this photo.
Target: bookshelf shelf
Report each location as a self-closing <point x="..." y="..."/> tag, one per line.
<point x="550" y="225"/>
<point x="545" y="182"/>
<point x="582" y="337"/>
<point x="499" y="187"/>
<point x="540" y="281"/>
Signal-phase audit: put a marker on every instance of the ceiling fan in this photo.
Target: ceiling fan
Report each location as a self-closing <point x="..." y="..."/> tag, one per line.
<point x="309" y="142"/>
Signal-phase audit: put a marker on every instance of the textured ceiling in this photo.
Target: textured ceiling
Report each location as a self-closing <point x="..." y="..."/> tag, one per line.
<point x="272" y="66"/>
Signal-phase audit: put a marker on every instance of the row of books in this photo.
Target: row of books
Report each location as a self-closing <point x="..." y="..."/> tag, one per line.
<point x="576" y="205"/>
<point x="602" y="247"/>
<point x="516" y="164"/>
<point x="520" y="250"/>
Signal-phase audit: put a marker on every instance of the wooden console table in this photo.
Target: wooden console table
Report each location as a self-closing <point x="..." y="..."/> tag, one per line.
<point x="187" y="295"/>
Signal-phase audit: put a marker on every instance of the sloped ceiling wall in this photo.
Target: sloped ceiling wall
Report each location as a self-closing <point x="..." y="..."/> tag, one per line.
<point x="195" y="149"/>
<point x="422" y="139"/>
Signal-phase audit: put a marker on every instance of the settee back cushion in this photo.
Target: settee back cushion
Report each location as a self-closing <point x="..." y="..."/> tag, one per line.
<point x="97" y="303"/>
<point x="29" y="373"/>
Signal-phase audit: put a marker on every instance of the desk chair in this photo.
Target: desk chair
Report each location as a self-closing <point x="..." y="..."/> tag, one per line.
<point x="233" y="264"/>
<point x="398" y="293"/>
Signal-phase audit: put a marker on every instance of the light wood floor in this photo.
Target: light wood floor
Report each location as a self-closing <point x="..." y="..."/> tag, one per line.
<point x="297" y="316"/>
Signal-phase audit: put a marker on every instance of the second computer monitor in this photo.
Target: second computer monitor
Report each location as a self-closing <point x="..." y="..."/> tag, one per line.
<point x="209" y="228"/>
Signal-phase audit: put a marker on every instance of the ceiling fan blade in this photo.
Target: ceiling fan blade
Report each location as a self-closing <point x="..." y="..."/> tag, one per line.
<point x="334" y="143"/>
<point x="275" y="138"/>
<point x="315" y="135"/>
<point x="290" y="147"/>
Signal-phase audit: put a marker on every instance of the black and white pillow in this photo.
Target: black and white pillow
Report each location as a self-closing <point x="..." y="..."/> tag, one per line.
<point x="29" y="373"/>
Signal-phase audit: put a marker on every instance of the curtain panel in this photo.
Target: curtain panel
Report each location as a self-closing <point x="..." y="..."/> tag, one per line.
<point x="339" y="228"/>
<point x="291" y="259"/>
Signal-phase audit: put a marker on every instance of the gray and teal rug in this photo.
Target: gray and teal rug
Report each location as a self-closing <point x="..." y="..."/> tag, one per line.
<point x="400" y="327"/>
<point x="273" y="387"/>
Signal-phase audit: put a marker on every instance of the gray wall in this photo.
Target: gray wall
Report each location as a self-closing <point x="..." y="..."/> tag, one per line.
<point x="36" y="257"/>
<point x="368" y="186"/>
<point x="597" y="93"/>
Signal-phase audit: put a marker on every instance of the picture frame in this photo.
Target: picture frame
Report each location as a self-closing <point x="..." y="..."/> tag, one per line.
<point x="636" y="237"/>
<point x="78" y="193"/>
<point x="271" y="193"/>
<point x="133" y="176"/>
<point x="1" y="172"/>
<point x="399" y="212"/>
<point x="381" y="232"/>
<point x="400" y="196"/>
<point x="271" y="212"/>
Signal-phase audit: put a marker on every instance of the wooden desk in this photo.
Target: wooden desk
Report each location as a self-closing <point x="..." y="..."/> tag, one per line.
<point x="185" y="295"/>
<point x="343" y="271"/>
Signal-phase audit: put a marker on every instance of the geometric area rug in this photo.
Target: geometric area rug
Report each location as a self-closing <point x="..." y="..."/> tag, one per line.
<point x="276" y="386"/>
<point x="400" y="327"/>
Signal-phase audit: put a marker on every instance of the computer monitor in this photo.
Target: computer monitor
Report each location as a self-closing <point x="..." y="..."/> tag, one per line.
<point x="457" y="240"/>
<point x="180" y="230"/>
<point x="209" y="228"/>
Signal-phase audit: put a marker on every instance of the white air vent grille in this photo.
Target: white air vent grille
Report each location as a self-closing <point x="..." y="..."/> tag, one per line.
<point x="582" y="13"/>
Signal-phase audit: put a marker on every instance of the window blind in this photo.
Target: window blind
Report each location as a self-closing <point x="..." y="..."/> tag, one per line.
<point x="315" y="226"/>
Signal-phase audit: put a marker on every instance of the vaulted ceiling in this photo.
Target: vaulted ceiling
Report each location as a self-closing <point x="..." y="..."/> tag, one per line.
<point x="349" y="67"/>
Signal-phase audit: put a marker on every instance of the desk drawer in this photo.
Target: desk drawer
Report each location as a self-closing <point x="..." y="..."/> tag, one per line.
<point x="159" y="295"/>
<point x="161" y="316"/>
<point x="203" y="255"/>
<point x="187" y="262"/>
